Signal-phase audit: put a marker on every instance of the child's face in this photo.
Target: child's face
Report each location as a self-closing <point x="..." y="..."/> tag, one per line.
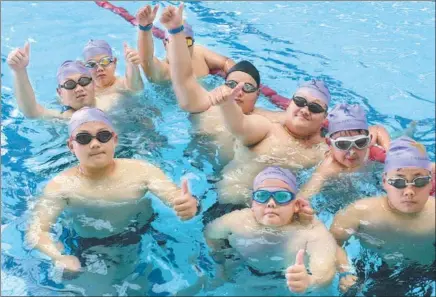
<point x="98" y="153"/>
<point x="103" y="75"/>
<point x="300" y="120"/>
<point x="80" y="96"/>
<point x="410" y="199"/>
<point x="271" y="213"/>
<point x="353" y="156"/>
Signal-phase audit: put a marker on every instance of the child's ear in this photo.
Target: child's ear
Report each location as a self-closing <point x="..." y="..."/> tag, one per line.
<point x="58" y="90"/>
<point x="70" y="145"/>
<point x="116" y="138"/>
<point x="297" y="206"/>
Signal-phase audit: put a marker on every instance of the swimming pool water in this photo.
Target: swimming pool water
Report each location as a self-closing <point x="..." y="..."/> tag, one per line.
<point x="378" y="54"/>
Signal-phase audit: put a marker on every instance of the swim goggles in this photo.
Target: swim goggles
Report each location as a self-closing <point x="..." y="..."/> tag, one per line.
<point x="401" y="183"/>
<point x="247" y="88"/>
<point x="280" y="197"/>
<point x="103" y="62"/>
<point x="86" y="137"/>
<point x="312" y="106"/>
<point x="71" y="84"/>
<point x="346" y="143"/>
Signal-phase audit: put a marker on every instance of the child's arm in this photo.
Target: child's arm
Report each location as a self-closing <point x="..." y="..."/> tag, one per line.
<point x="345" y="224"/>
<point x="321" y="249"/>
<point x="47" y="210"/>
<point x="249" y="129"/>
<point x="133" y="80"/>
<point x="380" y="136"/>
<point x="154" y="69"/>
<point x="215" y="60"/>
<point x="191" y="96"/>
<point x="217" y="231"/>
<point x="18" y="60"/>
<point x="324" y="171"/>
<point x="180" y="199"/>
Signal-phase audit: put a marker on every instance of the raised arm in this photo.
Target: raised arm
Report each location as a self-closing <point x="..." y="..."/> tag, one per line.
<point x="249" y="129"/>
<point x="133" y="80"/>
<point x="18" y="60"/>
<point x="46" y="212"/>
<point x="191" y="96"/>
<point x="215" y="60"/>
<point x="154" y="69"/>
<point x="180" y="199"/>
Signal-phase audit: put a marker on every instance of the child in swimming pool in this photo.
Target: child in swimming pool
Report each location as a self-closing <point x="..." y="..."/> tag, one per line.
<point x="103" y="198"/>
<point x="75" y="87"/>
<point x="102" y="64"/>
<point x="349" y="141"/>
<point x="400" y="225"/>
<point x="268" y="237"/>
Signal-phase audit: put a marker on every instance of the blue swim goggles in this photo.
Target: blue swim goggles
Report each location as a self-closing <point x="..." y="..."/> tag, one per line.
<point x="280" y="197"/>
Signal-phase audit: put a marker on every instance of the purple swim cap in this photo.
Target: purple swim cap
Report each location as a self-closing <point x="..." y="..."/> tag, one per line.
<point x="345" y="117"/>
<point x="95" y="48"/>
<point x="405" y="152"/>
<point x="187" y="30"/>
<point x="69" y="68"/>
<point x="317" y="89"/>
<point x="87" y="114"/>
<point x="274" y="172"/>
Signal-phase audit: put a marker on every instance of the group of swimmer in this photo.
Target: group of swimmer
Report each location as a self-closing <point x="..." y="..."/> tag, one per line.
<point x="269" y="222"/>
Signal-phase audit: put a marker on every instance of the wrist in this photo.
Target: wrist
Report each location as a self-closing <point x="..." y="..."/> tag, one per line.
<point x="21" y="71"/>
<point x="176" y="30"/>
<point x="145" y="28"/>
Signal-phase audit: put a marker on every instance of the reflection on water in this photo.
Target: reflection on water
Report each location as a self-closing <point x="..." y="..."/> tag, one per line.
<point x="382" y="65"/>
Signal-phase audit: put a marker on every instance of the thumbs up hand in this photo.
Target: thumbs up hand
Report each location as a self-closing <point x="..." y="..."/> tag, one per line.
<point x="172" y="17"/>
<point x="186" y="205"/>
<point x="223" y="94"/>
<point x="297" y="278"/>
<point x="131" y="55"/>
<point x="18" y="59"/>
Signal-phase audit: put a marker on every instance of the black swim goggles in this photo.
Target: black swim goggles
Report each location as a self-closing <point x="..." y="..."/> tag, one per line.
<point x="402" y="183"/>
<point x="247" y="88"/>
<point x="312" y="106"/>
<point x="71" y="84"/>
<point x="86" y="137"/>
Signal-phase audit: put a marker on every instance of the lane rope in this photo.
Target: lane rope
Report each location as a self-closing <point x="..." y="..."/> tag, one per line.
<point x="278" y="100"/>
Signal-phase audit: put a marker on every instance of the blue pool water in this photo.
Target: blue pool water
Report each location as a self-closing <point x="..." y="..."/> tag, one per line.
<point x="378" y="54"/>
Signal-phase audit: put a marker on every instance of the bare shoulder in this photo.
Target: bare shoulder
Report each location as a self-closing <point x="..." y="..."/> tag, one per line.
<point x="63" y="183"/>
<point x="133" y="164"/>
<point x="273" y="116"/>
<point x="365" y="206"/>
